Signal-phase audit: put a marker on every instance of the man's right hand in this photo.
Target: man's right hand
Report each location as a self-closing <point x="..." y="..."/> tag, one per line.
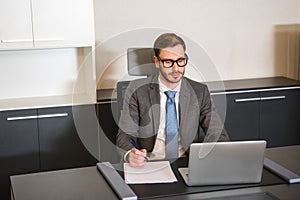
<point x="137" y="158"/>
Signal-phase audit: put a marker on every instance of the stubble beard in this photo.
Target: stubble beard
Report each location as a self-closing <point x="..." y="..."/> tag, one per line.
<point x="167" y="75"/>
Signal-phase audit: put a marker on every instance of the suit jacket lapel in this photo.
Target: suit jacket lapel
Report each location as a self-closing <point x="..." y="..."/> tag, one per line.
<point x="155" y="102"/>
<point x="184" y="100"/>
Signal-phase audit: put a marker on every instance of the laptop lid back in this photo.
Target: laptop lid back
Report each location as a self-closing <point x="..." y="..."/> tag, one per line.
<point x="226" y="162"/>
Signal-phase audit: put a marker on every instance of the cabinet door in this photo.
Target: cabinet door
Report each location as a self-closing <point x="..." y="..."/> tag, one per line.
<point x="19" y="147"/>
<point x="60" y="144"/>
<point x="280" y="117"/>
<point x="63" y="23"/>
<point x="108" y="132"/>
<point x="242" y="115"/>
<point x="15" y="24"/>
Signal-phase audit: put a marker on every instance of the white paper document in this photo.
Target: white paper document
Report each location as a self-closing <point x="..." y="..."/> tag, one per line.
<point x="152" y="172"/>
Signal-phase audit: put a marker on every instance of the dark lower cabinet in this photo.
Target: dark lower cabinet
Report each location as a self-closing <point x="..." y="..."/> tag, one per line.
<point x="241" y="115"/>
<point x="19" y="146"/>
<point x="271" y="115"/>
<point x="46" y="139"/>
<point x="68" y="137"/>
<point x="108" y="132"/>
<point x="280" y="117"/>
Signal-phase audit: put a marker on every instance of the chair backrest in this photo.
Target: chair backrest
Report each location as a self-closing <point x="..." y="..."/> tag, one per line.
<point x="139" y="63"/>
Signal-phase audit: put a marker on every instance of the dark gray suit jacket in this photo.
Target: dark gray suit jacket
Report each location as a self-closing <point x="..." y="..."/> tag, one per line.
<point x="140" y="116"/>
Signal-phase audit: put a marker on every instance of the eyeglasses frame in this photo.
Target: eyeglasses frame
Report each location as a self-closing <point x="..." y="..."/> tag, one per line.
<point x="173" y="61"/>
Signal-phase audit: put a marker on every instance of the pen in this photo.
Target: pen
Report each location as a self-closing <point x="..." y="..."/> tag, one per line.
<point x="137" y="147"/>
<point x="134" y="144"/>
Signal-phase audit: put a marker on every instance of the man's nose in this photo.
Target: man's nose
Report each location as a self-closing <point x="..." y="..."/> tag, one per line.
<point x="175" y="67"/>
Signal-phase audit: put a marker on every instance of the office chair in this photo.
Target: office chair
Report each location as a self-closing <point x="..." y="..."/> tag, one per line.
<point x="139" y="63"/>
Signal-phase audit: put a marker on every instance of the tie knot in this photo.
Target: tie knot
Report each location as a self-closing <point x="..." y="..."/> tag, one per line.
<point x="170" y="94"/>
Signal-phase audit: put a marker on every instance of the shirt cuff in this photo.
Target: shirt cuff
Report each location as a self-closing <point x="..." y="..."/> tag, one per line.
<point x="125" y="156"/>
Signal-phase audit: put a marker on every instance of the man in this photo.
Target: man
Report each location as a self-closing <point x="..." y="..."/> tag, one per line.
<point x="152" y="121"/>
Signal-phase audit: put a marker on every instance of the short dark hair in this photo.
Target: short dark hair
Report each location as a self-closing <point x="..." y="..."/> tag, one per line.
<point x="167" y="40"/>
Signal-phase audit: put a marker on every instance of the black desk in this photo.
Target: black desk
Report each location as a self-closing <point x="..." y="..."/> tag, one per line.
<point x="146" y="191"/>
<point x="87" y="183"/>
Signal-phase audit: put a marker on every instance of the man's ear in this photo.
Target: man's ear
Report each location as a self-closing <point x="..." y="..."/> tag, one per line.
<point x="156" y="62"/>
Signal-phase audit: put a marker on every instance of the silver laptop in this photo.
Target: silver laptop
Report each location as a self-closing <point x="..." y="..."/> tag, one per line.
<point x="224" y="163"/>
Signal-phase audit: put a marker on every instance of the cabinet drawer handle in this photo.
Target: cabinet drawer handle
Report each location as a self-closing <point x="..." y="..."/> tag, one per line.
<point x="21" y="118"/>
<point x="259" y="99"/>
<point x="37" y="116"/>
<point x="53" y="115"/>
<point x="49" y="39"/>
<point x="15" y="41"/>
<point x="271" y="98"/>
<point x="247" y="99"/>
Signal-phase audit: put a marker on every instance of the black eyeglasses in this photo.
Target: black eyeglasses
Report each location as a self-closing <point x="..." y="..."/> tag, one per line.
<point x="168" y="63"/>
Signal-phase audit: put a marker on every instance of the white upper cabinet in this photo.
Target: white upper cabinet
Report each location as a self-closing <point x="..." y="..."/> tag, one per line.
<point x="63" y="23"/>
<point x="15" y="24"/>
<point x="27" y="24"/>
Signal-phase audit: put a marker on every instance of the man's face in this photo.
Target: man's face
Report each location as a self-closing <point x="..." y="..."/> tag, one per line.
<point x="170" y="76"/>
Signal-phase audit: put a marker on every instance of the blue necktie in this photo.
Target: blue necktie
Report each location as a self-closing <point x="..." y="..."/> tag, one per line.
<point x="171" y="126"/>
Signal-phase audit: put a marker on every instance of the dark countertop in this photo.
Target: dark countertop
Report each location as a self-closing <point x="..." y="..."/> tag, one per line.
<point x="253" y="84"/>
<point x="108" y="95"/>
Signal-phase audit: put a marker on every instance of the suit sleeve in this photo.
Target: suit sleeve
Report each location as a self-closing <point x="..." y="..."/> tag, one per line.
<point x="210" y="121"/>
<point x="128" y="123"/>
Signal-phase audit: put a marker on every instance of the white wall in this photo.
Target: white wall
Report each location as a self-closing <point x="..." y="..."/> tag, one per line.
<point x="236" y="35"/>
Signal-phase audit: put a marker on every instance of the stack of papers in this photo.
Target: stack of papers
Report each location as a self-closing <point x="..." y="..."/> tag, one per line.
<point x="152" y="172"/>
